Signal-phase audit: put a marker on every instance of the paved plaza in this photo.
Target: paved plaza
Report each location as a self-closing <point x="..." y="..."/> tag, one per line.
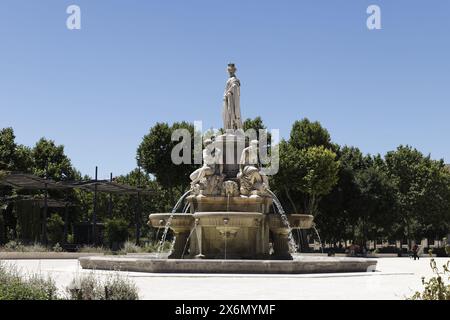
<point x="395" y="278"/>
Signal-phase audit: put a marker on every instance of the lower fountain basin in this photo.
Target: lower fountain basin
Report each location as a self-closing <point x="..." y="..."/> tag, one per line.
<point x="300" y="265"/>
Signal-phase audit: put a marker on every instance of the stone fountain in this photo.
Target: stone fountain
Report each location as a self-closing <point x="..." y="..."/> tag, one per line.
<point x="232" y="222"/>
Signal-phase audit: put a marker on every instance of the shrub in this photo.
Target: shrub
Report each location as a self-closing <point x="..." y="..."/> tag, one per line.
<point x="438" y="287"/>
<point x="17" y="246"/>
<point x="92" y="249"/>
<point x="57" y="248"/>
<point x="55" y="229"/>
<point x="130" y="247"/>
<point x="116" y="232"/>
<point x="89" y="287"/>
<point x="14" y="286"/>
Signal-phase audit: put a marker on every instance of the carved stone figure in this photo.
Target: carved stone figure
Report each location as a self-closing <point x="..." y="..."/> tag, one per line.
<point x="209" y="177"/>
<point x="250" y="177"/>
<point x="231" y="114"/>
<point x="210" y="160"/>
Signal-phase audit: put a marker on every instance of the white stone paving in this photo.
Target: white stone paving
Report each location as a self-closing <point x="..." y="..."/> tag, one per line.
<point x="396" y="278"/>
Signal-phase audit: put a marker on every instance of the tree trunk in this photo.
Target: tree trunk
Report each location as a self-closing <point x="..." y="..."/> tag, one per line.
<point x="290" y="199"/>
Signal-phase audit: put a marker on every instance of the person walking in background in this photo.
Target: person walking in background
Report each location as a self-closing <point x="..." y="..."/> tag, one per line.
<point x="415" y="252"/>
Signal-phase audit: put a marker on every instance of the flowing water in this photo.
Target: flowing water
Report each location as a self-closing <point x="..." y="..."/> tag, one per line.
<point x="187" y="241"/>
<point x="318" y="236"/>
<point x="285" y="220"/>
<point x="169" y="221"/>
<point x="186" y="208"/>
<point x="172" y="244"/>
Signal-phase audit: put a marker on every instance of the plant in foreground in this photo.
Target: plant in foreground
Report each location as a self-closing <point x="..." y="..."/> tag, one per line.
<point x="15" y="286"/>
<point x="90" y="287"/>
<point x="437" y="287"/>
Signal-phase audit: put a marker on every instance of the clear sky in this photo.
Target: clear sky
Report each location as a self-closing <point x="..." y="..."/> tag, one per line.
<point x="98" y="90"/>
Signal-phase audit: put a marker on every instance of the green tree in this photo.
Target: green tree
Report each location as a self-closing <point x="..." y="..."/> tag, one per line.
<point x="319" y="170"/>
<point x="421" y="190"/>
<point x="308" y="167"/>
<point x="55" y="229"/>
<point x="13" y="157"/>
<point x="155" y="152"/>
<point x="305" y="134"/>
<point x="49" y="159"/>
<point x="306" y="174"/>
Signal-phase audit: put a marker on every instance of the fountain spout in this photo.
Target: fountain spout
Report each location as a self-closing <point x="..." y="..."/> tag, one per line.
<point x="291" y="242"/>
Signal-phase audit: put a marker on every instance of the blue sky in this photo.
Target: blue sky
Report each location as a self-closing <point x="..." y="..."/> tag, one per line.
<point x="98" y="90"/>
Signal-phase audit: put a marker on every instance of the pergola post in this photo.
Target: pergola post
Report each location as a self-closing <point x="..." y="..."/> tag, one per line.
<point x="94" y="214"/>
<point x="110" y="204"/>
<point x="66" y="222"/>
<point x="138" y="219"/>
<point x="44" y="218"/>
<point x="138" y="208"/>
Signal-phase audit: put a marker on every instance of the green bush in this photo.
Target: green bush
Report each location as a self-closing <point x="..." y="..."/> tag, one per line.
<point x="116" y="233"/>
<point x="14" y="286"/>
<point x="130" y="247"/>
<point x="55" y="229"/>
<point x="13" y="246"/>
<point x="90" y="287"/>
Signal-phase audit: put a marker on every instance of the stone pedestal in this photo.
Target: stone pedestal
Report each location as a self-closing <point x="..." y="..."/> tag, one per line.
<point x="201" y="203"/>
<point x="229" y="235"/>
<point x="281" y="245"/>
<point x="181" y="236"/>
<point x="231" y="145"/>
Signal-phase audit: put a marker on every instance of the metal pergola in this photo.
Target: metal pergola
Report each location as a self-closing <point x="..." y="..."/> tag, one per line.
<point x="45" y="204"/>
<point x="25" y="181"/>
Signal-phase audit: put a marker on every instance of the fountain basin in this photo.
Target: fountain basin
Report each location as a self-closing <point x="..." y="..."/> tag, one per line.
<point x="301" y="265"/>
<point x="296" y="221"/>
<point x="229" y="219"/>
<point x="180" y="221"/>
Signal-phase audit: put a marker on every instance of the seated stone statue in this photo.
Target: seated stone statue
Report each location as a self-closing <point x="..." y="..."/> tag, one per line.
<point x="250" y="177"/>
<point x="209" y="176"/>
